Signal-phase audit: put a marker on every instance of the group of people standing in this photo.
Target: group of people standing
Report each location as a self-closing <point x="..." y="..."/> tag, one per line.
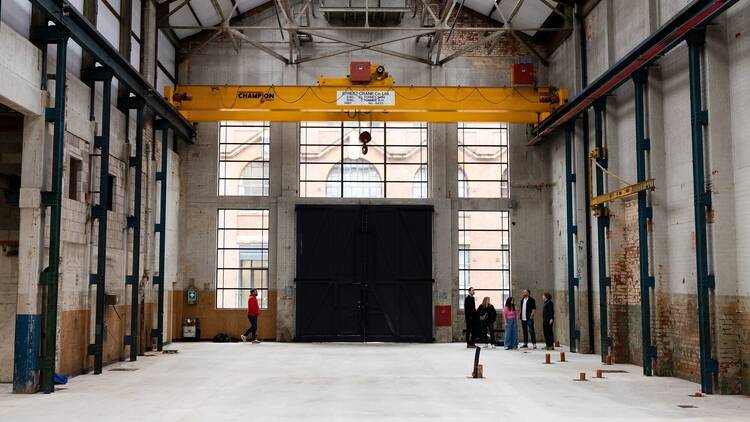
<point x="480" y="321"/>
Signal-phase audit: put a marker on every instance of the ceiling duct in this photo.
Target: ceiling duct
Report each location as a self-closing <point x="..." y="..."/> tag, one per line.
<point x="364" y="12"/>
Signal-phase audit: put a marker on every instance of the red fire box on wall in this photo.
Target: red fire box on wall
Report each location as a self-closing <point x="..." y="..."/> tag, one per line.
<point x="522" y="74"/>
<point x="360" y="72"/>
<point x="443" y="315"/>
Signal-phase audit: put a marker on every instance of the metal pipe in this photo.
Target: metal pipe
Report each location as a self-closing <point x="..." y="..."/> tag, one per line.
<point x="602" y="225"/>
<point x="640" y="79"/>
<point x="570" y="179"/>
<point x="701" y="202"/>
<point x="100" y="212"/>
<point x="51" y="275"/>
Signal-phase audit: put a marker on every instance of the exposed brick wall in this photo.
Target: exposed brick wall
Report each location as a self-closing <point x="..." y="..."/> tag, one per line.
<point x="676" y="336"/>
<point x="743" y="331"/>
<point x="505" y="45"/>
<point x="625" y="293"/>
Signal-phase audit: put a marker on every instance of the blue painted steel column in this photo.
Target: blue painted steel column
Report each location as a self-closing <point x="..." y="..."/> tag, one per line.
<point x="570" y="180"/>
<point x="645" y="213"/>
<point x="602" y="225"/>
<point x="53" y="199"/>
<point x="99" y="211"/>
<point x="701" y="202"/>
<point x="161" y="230"/>
<point x="134" y="222"/>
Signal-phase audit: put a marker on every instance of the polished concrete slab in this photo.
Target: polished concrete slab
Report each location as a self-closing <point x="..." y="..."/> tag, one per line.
<point x="345" y="382"/>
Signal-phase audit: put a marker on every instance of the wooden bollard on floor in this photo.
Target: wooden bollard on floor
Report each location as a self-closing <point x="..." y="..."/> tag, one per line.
<point x="599" y="373"/>
<point x="562" y="356"/>
<point x="582" y="376"/>
<point x="479" y="372"/>
<point x="547" y="358"/>
<point x="608" y="360"/>
<point x="557" y="344"/>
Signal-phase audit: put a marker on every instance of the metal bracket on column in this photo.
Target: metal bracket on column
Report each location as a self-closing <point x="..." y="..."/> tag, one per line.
<point x="96" y="279"/>
<point x="98" y="212"/>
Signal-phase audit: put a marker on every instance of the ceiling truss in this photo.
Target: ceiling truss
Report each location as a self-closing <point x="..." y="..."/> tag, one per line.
<point x="437" y="23"/>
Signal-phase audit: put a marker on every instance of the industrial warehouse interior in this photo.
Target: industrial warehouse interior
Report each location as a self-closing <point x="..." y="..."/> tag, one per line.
<point x="338" y="210"/>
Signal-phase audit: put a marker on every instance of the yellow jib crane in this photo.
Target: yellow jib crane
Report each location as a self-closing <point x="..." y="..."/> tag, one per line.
<point x="368" y="93"/>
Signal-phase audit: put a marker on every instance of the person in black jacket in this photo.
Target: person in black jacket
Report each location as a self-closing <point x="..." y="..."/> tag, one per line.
<point x="548" y="318"/>
<point x="487" y="317"/>
<point x="470" y="312"/>
<point x="528" y="308"/>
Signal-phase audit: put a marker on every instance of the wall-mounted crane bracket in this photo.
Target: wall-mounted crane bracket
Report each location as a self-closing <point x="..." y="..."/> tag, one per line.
<point x="622" y="192"/>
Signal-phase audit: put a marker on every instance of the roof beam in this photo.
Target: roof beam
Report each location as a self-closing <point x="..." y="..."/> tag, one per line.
<point x="695" y="15"/>
<point x="91" y="40"/>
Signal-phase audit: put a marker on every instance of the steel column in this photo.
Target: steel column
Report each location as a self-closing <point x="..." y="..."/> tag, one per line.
<point x="134" y="222"/>
<point x="645" y="214"/>
<point x="702" y="202"/>
<point x="161" y="230"/>
<point x="570" y="179"/>
<point x="579" y="16"/>
<point x="99" y="211"/>
<point x="602" y="225"/>
<point x="53" y="199"/>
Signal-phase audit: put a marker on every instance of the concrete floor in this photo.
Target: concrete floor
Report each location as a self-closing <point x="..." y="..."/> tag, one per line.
<point x="344" y="382"/>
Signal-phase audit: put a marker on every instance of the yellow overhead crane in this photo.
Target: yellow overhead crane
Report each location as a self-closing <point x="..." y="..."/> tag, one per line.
<point x="368" y="93"/>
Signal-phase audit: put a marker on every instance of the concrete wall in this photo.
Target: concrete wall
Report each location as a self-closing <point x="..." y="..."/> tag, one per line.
<point x="21" y="265"/>
<point x="612" y="29"/>
<point x="219" y="64"/>
<point x="11" y="142"/>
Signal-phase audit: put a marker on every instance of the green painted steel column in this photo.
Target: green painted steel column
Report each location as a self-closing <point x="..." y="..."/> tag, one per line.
<point x="640" y="79"/>
<point x="51" y="275"/>
<point x="570" y="179"/>
<point x="161" y="229"/>
<point x="602" y="225"/>
<point x="134" y="221"/>
<point x="701" y="202"/>
<point x="99" y="212"/>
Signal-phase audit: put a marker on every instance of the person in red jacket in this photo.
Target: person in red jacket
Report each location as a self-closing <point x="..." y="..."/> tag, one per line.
<point x="253" y="310"/>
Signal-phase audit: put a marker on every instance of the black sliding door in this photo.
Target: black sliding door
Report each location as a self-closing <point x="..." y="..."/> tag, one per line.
<point x="364" y="273"/>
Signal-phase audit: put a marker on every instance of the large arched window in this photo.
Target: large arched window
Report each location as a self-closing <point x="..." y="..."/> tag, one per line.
<point x="419" y="186"/>
<point x="463" y="184"/>
<point x="360" y="180"/>
<point x="254" y="179"/>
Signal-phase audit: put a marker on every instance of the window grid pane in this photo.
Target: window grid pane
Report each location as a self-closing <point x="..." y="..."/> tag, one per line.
<point x="242" y="257"/>
<point x="244" y="159"/>
<point x="332" y="163"/>
<point x="484" y="255"/>
<point x="483" y="160"/>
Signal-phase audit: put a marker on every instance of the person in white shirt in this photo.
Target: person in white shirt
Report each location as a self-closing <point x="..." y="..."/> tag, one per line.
<point x="528" y="307"/>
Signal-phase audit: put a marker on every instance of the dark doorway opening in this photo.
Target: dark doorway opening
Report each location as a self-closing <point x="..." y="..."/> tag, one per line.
<point x="364" y="273"/>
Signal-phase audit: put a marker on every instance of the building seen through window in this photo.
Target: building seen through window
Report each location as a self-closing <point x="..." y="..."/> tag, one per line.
<point x="483" y="160"/>
<point x="244" y="158"/>
<point x="242" y="257"/>
<point x="332" y="163"/>
<point x="484" y="255"/>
